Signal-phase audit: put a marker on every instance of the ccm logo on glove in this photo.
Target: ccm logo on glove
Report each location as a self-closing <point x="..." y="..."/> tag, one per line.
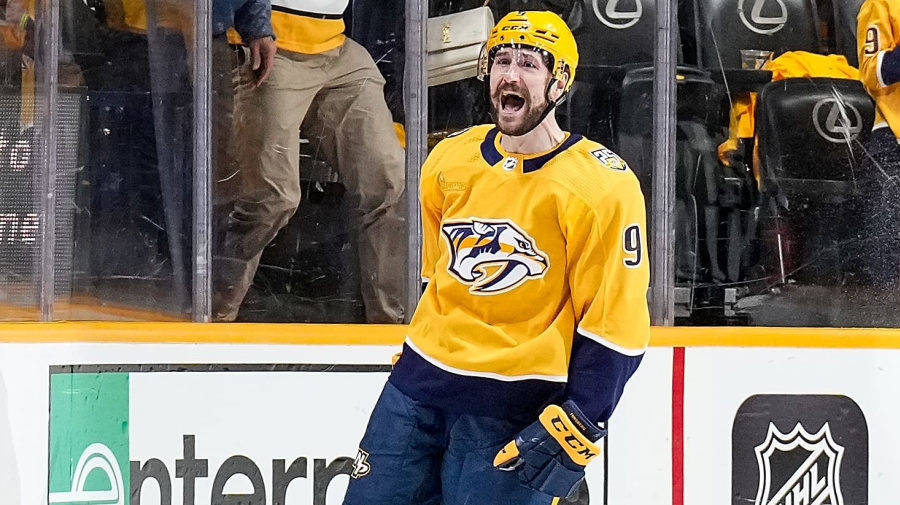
<point x="579" y="448"/>
<point x="566" y="428"/>
<point x="551" y="453"/>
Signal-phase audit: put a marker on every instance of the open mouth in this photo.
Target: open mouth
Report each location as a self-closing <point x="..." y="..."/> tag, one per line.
<point x="511" y="102"/>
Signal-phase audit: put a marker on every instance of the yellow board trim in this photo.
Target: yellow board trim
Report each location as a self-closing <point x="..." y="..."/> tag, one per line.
<point x="831" y="338"/>
<point x="225" y="333"/>
<point x="363" y="334"/>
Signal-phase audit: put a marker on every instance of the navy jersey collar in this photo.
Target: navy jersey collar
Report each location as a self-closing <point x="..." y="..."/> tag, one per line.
<point x="492" y="156"/>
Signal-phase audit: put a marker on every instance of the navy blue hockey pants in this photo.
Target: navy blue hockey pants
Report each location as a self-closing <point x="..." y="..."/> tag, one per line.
<point x="415" y="454"/>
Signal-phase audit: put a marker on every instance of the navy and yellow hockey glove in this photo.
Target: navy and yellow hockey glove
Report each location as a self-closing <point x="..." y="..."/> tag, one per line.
<point x="551" y="453"/>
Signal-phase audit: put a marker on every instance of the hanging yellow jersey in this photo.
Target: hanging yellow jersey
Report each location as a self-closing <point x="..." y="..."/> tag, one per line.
<point x="805" y="64"/>
<point x="131" y="15"/>
<point x="878" y="36"/>
<point x="789" y="65"/>
<point x="537" y="278"/>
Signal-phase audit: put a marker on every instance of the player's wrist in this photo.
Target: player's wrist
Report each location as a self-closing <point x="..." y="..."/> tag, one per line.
<point x="890" y="66"/>
<point x="581" y="421"/>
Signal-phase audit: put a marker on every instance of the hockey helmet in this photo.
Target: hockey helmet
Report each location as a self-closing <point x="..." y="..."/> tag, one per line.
<point x="541" y="30"/>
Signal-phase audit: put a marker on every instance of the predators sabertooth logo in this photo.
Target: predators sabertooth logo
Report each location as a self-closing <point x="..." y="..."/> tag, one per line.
<point x="811" y="463"/>
<point x="492" y="256"/>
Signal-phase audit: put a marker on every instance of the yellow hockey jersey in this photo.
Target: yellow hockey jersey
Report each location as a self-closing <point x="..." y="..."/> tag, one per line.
<point x="537" y="278"/>
<point x="308" y="26"/>
<point x="879" y="65"/>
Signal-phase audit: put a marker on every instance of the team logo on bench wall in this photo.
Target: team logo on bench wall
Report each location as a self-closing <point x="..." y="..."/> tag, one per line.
<point x="792" y="449"/>
<point x="617" y="16"/>
<point x="764" y="17"/>
<point x="837" y="121"/>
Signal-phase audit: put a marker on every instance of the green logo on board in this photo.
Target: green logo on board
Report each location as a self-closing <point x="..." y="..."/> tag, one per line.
<point x="89" y="462"/>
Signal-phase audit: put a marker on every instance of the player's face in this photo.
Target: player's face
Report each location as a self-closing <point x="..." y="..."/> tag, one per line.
<point x="519" y="79"/>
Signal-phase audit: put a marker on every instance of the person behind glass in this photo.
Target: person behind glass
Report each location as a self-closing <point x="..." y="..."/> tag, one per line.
<point x="330" y="85"/>
<point x="147" y="49"/>
<point x="535" y="314"/>
<point x="252" y="20"/>
<point x="878" y="41"/>
<point x="139" y="194"/>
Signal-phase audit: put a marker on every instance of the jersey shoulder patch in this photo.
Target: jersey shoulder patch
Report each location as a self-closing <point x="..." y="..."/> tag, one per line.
<point x="609" y="159"/>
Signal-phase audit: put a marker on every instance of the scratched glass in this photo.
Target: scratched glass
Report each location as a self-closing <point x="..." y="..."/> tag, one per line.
<point x="309" y="185"/>
<point x="780" y="219"/>
<point x="125" y="161"/>
<point x="22" y="177"/>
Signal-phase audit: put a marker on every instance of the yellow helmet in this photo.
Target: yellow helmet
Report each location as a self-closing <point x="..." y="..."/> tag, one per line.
<point x="542" y="30"/>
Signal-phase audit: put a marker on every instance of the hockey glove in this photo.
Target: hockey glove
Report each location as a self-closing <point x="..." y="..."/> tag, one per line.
<point x="551" y="453"/>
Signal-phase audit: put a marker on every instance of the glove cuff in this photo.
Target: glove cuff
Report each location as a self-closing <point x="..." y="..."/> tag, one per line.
<point x="581" y="421"/>
<point x="569" y="435"/>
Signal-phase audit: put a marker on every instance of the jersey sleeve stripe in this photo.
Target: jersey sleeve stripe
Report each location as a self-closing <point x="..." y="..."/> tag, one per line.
<point x="880" y="60"/>
<point x="609" y="345"/>
<point x="328" y="9"/>
<point x="314" y="15"/>
<point x="484" y="375"/>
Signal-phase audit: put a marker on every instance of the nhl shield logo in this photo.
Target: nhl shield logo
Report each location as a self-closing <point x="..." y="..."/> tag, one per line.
<point x="799" y="467"/>
<point x="800" y="449"/>
<point x="510" y="163"/>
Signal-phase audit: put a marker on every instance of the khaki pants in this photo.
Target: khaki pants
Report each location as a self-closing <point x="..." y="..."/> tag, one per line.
<point x="224" y="81"/>
<point x="337" y="99"/>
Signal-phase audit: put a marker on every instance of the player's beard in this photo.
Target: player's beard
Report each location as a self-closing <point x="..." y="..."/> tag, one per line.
<point x="530" y="119"/>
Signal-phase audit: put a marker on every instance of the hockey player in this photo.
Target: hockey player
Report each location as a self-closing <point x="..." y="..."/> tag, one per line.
<point x="534" y="316"/>
<point x="878" y="39"/>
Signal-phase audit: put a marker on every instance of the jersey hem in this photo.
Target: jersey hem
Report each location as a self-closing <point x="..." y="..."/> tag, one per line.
<point x="422" y="381"/>
<point x="484" y="375"/>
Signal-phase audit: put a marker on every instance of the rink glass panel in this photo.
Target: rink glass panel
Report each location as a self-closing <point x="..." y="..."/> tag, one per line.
<point x="319" y="268"/>
<point x="786" y="223"/>
<point x="23" y="175"/>
<point x="778" y="228"/>
<point x="125" y="166"/>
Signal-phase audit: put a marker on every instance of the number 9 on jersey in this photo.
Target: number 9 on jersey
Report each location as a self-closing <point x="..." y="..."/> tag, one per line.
<point x="632" y="244"/>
